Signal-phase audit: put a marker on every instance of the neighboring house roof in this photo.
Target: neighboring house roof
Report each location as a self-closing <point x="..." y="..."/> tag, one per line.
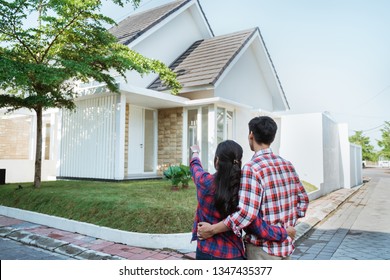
<point x="137" y="24"/>
<point x="204" y="62"/>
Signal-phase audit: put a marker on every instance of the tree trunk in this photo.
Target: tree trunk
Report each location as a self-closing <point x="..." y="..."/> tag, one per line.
<point x="38" y="149"/>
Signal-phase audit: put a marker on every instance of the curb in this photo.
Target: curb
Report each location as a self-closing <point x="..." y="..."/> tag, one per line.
<point x="311" y="220"/>
<point x="54" y="245"/>
<point x="179" y="242"/>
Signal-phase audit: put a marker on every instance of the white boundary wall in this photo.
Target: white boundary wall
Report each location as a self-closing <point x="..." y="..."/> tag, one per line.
<point x="320" y="151"/>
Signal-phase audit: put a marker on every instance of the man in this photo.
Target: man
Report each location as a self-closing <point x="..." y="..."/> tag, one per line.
<point x="270" y="189"/>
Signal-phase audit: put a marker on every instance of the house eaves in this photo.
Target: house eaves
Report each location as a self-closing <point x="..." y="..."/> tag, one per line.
<point x="275" y="72"/>
<point x="152" y="99"/>
<point x="138" y="24"/>
<point x="216" y="100"/>
<point x="203" y="63"/>
<point x="267" y="67"/>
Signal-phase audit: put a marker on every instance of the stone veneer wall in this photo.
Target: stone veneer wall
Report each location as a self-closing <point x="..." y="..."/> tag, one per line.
<point x="15" y="138"/>
<point x="170" y="137"/>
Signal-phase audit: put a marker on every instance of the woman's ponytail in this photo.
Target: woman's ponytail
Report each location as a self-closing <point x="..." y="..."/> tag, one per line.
<point x="228" y="164"/>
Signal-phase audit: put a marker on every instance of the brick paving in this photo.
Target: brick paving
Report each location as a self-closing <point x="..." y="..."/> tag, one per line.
<point x="74" y="244"/>
<point x="358" y="230"/>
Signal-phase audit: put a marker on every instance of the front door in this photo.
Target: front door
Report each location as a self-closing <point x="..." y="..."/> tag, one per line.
<point x="142" y="140"/>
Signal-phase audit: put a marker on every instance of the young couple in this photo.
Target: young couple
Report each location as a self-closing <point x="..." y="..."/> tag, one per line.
<point x="264" y="199"/>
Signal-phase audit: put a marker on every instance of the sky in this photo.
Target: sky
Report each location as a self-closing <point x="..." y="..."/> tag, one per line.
<point x="330" y="55"/>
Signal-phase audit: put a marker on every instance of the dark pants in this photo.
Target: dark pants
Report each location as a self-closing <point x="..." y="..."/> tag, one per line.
<point x="203" y="256"/>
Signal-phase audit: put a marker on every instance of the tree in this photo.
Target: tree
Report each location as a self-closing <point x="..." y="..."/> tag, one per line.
<point x="385" y="142"/>
<point x="39" y="64"/>
<point x="368" y="152"/>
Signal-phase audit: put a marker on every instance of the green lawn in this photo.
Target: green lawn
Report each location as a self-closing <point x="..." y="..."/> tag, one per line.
<point x="141" y="206"/>
<point x="309" y="187"/>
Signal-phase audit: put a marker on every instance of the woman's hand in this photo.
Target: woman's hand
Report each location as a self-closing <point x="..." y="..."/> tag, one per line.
<point x="204" y="231"/>
<point x="195" y="149"/>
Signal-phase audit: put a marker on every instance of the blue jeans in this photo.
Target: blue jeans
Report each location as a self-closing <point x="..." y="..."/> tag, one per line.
<point x="203" y="256"/>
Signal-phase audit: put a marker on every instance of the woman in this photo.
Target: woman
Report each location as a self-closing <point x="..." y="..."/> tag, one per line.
<point x="217" y="198"/>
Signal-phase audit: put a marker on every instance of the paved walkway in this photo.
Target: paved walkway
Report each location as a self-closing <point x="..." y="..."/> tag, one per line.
<point x="80" y="246"/>
<point x="358" y="230"/>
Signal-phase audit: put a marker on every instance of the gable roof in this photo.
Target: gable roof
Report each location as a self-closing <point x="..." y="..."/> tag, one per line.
<point x="137" y="24"/>
<point x="205" y="61"/>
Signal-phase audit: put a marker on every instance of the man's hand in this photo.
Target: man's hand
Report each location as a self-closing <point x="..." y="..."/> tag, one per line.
<point x="291" y="232"/>
<point x="205" y="230"/>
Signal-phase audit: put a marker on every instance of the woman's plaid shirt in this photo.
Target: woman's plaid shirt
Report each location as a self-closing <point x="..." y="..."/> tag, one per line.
<point x="226" y="245"/>
<point x="271" y="189"/>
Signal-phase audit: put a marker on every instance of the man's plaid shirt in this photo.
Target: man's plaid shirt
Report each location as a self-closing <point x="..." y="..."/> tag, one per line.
<point x="226" y="245"/>
<point x="270" y="189"/>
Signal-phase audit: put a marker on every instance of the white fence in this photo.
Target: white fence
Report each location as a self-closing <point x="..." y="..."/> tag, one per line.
<point x="88" y="139"/>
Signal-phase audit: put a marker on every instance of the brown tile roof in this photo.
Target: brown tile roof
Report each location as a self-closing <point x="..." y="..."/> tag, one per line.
<point x="205" y="61"/>
<point x="135" y="25"/>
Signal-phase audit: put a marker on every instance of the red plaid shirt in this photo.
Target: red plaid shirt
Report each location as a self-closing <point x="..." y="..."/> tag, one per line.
<point x="271" y="189"/>
<point x="226" y="245"/>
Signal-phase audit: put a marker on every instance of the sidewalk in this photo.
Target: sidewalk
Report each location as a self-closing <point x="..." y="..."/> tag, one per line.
<point x="84" y="247"/>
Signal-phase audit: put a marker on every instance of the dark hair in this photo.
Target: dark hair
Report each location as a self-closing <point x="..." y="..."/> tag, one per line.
<point x="264" y="129"/>
<point x="227" y="179"/>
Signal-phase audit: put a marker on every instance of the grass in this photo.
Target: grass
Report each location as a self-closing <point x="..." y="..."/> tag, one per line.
<point x="309" y="187"/>
<point x="141" y="206"/>
<point x="147" y="206"/>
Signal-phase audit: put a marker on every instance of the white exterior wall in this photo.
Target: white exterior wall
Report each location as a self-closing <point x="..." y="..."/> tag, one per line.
<point x="245" y="83"/>
<point x="333" y="167"/>
<point x="302" y="143"/>
<point x="243" y="116"/>
<point x="345" y="153"/>
<point x="356" y="158"/>
<point x="275" y="146"/>
<point x="88" y="144"/>
<point x="166" y="44"/>
<point x="320" y="151"/>
<point x="22" y="171"/>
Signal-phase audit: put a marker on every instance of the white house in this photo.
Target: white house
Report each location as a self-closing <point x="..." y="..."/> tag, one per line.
<point x="226" y="81"/>
<point x="142" y="130"/>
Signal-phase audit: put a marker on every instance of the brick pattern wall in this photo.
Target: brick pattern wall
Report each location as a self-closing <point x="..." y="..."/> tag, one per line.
<point x="15" y="138"/>
<point x="170" y="135"/>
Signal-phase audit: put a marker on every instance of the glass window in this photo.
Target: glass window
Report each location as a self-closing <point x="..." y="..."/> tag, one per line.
<point x="229" y="124"/>
<point x="192" y="127"/>
<point x="220" y="125"/>
<point x="224" y="124"/>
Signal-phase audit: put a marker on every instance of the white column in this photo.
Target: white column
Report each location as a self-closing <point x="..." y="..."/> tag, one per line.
<point x="185" y="149"/>
<point x="120" y="123"/>
<point x="33" y="134"/>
